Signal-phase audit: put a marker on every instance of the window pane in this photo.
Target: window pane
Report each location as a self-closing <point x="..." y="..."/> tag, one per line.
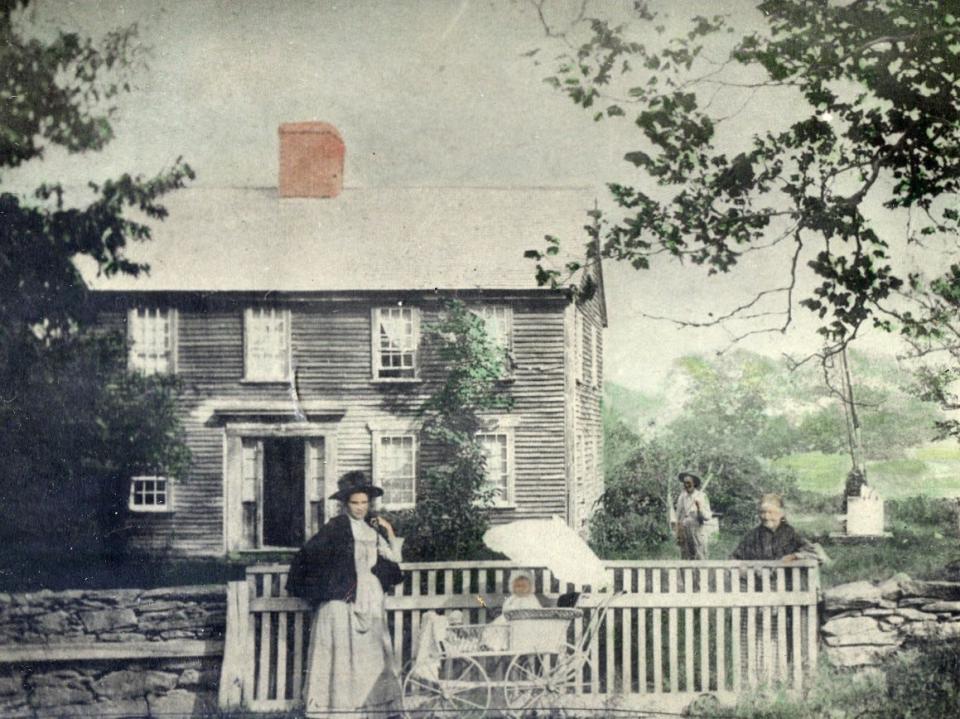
<point x="397" y="341"/>
<point x="266" y="343"/>
<point x="397" y="462"/>
<point x="497" y="466"/>
<point x="148" y="492"/>
<point x="151" y="340"/>
<point x="497" y="324"/>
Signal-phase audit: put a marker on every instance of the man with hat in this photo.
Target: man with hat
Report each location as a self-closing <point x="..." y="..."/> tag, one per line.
<point x="345" y="570"/>
<point x="693" y="511"/>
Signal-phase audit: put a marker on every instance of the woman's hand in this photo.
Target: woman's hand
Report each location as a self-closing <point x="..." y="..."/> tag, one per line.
<point x="380" y="521"/>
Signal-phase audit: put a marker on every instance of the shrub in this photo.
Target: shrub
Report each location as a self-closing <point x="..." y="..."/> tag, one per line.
<point x="631" y="515"/>
<point x="922" y="511"/>
<point x="805" y="502"/>
<point x="924" y="682"/>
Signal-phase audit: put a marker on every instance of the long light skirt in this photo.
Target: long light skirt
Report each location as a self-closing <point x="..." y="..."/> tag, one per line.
<point x="348" y="670"/>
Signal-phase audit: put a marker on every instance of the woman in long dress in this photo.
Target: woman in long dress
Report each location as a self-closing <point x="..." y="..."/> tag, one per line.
<point x="345" y="570"/>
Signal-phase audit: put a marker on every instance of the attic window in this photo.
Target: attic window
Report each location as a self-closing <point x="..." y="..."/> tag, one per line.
<point x="396" y="337"/>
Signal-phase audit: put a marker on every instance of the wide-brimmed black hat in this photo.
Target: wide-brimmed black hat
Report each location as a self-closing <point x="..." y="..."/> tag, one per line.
<point x="353" y="482"/>
<point x="696" y="480"/>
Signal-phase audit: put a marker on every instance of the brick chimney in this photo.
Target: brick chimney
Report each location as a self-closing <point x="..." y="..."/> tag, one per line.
<point x="311" y="160"/>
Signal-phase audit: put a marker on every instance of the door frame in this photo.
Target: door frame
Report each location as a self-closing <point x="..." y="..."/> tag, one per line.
<point x="233" y="435"/>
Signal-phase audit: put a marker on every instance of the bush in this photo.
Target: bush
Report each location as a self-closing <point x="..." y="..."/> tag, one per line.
<point x="924" y="682"/>
<point x="802" y="501"/>
<point x="920" y="684"/>
<point x="922" y="511"/>
<point x="631" y="516"/>
<point x="738" y="485"/>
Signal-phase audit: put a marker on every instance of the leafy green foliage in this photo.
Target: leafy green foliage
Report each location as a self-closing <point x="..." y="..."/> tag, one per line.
<point x="451" y="513"/>
<point x="933" y="331"/>
<point x="93" y="425"/>
<point x="921" y="683"/>
<point x="729" y="406"/>
<point x="761" y="406"/>
<point x="75" y="423"/>
<point x="924" y="683"/>
<point x="631" y="518"/>
<point x="631" y="514"/>
<point x="873" y="118"/>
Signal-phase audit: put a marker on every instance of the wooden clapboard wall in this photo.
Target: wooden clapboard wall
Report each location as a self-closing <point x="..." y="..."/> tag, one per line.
<point x="331" y="350"/>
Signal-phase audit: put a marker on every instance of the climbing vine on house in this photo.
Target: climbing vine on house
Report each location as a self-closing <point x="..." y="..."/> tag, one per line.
<point x="452" y="510"/>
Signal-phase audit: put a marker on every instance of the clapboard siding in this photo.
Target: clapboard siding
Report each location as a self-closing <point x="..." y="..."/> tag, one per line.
<point x="331" y="351"/>
<point x="585" y="422"/>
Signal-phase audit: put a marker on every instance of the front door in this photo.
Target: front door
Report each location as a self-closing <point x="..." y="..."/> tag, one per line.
<point x="275" y="489"/>
<point x="283" y="496"/>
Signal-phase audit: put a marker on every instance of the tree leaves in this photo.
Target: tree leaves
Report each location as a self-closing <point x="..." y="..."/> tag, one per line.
<point x="451" y="515"/>
<point x="73" y="417"/>
<point x="879" y="121"/>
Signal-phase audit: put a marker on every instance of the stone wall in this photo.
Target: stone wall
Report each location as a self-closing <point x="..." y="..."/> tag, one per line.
<point x="118" y="615"/>
<point x="866" y="621"/>
<point x="123" y="652"/>
<point x="158" y="688"/>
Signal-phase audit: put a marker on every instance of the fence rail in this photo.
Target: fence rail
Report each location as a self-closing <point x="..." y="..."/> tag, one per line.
<point x="679" y="629"/>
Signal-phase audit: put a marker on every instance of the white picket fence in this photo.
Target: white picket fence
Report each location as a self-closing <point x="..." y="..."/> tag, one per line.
<point x="680" y="629"/>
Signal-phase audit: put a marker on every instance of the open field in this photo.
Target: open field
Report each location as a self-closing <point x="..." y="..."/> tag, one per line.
<point x="930" y="471"/>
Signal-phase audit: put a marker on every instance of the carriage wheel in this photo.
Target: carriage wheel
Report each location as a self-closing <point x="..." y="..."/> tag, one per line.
<point x="543" y="684"/>
<point x="461" y="689"/>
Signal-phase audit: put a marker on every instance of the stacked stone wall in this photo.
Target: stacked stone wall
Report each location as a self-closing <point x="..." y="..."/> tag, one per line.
<point x="867" y="621"/>
<point x="125" y="652"/>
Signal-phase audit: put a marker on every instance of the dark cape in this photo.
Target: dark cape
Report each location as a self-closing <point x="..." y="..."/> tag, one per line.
<point x="762" y="544"/>
<point x="324" y="569"/>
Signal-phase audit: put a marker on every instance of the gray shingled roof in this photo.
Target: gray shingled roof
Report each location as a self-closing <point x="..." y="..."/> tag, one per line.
<point x="365" y="239"/>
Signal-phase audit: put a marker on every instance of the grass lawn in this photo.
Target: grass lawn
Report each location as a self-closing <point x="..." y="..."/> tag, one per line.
<point x="930" y="471"/>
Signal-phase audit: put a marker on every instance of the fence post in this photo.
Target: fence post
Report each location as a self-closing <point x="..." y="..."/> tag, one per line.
<point x="230" y="694"/>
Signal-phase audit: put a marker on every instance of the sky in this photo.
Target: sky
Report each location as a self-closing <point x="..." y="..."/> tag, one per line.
<point x="426" y="93"/>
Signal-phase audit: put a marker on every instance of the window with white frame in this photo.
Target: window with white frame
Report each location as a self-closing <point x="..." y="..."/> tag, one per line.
<point x="266" y="343"/>
<point x="396" y="336"/>
<point x="151" y="332"/>
<point x="395" y="468"/>
<point x="498" y="323"/>
<point x="498" y="450"/>
<point x="150" y="494"/>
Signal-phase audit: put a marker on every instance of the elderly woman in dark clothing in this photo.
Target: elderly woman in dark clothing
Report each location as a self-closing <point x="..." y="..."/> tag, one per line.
<point x="345" y="570"/>
<point x="774" y="538"/>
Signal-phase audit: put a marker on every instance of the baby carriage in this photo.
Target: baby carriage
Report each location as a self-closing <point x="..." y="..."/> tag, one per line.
<point x="547" y="661"/>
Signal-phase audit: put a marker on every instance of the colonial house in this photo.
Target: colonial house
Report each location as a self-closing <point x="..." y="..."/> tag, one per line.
<point x="294" y="315"/>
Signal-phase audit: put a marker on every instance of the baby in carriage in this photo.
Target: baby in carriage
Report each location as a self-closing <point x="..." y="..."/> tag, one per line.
<point x="521" y="597"/>
<point x="521" y="593"/>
